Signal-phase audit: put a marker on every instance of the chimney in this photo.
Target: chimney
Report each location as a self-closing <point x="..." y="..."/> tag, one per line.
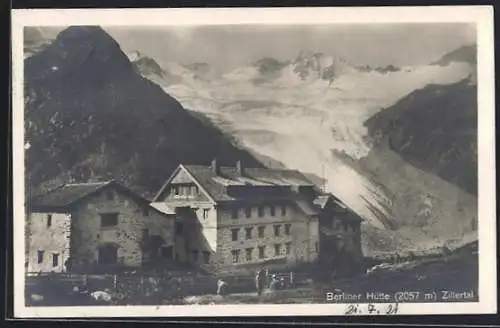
<point x="239" y="168"/>
<point x="215" y="167"/>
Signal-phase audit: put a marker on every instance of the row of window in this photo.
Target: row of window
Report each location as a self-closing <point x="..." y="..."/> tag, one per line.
<point x="185" y="190"/>
<point x="107" y="219"/>
<point x="260" y="211"/>
<point x="279" y="250"/>
<point x="55" y="258"/>
<point x="249" y="232"/>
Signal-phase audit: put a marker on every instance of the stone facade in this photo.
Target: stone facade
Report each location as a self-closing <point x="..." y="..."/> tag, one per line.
<point x="49" y="241"/>
<point x="133" y="220"/>
<point x="204" y="234"/>
<point x="297" y="244"/>
<point x="107" y="228"/>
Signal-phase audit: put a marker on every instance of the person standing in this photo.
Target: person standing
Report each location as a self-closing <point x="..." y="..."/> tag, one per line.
<point x="260" y="281"/>
<point x="221" y="287"/>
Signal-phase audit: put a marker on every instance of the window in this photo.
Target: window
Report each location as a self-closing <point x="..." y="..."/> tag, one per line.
<point x="40" y="256"/>
<point x="277" y="230"/>
<point x="49" y="220"/>
<point x="178" y="227"/>
<point x="195" y="255"/>
<point x="176" y="190"/>
<point x="109" y="219"/>
<point x="248" y="233"/>
<point x="283" y="210"/>
<point x="55" y="259"/>
<point x="109" y="195"/>
<point x="287" y="229"/>
<point x="234" y="234"/>
<point x="167" y="252"/>
<point x="248" y="254"/>
<point x="288" y="248"/>
<point x="206" y="257"/>
<point x="262" y="252"/>
<point x="236" y="255"/>
<point x="261" y="211"/>
<point x="272" y="210"/>
<point x="248" y="212"/>
<point x="262" y="229"/>
<point x="234" y="213"/>
<point x="194" y="190"/>
<point x="205" y="213"/>
<point x="107" y="254"/>
<point x="316" y="247"/>
<point x="277" y="249"/>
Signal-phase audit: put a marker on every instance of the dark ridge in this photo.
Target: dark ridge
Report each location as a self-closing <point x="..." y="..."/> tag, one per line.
<point x="94" y="117"/>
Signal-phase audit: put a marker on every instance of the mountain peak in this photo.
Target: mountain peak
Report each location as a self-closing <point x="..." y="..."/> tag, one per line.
<point x="78" y="48"/>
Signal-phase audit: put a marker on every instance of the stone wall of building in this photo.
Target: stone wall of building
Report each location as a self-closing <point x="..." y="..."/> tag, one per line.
<point x="49" y="233"/>
<point x="302" y="239"/>
<point x="88" y="234"/>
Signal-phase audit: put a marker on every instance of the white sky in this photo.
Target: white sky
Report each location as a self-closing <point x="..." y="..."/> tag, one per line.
<point x="229" y="47"/>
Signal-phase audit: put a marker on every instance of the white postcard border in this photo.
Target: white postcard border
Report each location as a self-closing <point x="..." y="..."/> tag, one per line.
<point x="481" y="16"/>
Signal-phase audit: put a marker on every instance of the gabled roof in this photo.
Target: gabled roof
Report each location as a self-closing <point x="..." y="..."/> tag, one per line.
<point x="67" y="195"/>
<point x="217" y="184"/>
<point x="324" y="199"/>
<point x="176" y="171"/>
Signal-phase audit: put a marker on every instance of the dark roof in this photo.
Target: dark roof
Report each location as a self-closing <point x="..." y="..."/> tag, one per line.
<point x="324" y="199"/>
<point x="217" y="185"/>
<point x="67" y="195"/>
<point x="254" y="185"/>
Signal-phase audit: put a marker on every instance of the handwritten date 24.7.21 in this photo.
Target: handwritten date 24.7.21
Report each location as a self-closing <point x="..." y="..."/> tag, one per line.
<point x="371" y="309"/>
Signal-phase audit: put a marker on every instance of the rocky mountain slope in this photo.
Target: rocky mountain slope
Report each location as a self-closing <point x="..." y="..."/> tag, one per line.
<point x="90" y="115"/>
<point x="465" y="54"/>
<point x="435" y="129"/>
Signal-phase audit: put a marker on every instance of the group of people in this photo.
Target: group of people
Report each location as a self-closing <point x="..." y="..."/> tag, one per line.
<point x="262" y="280"/>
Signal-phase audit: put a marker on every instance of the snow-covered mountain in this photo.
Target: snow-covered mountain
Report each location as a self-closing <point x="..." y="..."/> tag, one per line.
<point x="306" y="111"/>
<point x="35" y="40"/>
<point x="171" y="73"/>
